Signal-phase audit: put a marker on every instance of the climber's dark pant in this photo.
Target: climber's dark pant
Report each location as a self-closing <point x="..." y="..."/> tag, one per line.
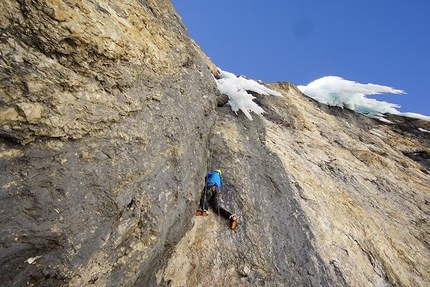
<point x="212" y="199"/>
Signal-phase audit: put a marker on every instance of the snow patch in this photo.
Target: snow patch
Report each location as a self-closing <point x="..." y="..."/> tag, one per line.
<point x="376" y="133"/>
<point x="415" y="116"/>
<point x="31" y="260"/>
<point x="384" y="120"/>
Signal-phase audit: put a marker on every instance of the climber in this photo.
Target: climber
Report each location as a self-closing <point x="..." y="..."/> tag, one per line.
<point x="210" y="195"/>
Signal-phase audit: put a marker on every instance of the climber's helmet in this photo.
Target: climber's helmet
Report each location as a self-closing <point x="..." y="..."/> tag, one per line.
<point x="218" y="171"/>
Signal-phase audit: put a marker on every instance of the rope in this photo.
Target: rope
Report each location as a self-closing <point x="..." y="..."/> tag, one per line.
<point x="201" y="240"/>
<point x="202" y="229"/>
<point x="203" y="221"/>
<point x="219" y="242"/>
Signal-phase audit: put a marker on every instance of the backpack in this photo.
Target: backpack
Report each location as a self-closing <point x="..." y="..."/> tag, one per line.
<point x="213" y="178"/>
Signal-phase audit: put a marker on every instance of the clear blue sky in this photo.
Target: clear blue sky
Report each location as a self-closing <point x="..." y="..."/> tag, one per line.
<point x="298" y="41"/>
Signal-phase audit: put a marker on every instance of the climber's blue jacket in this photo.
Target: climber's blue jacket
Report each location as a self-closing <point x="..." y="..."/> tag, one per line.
<point x="213" y="178"/>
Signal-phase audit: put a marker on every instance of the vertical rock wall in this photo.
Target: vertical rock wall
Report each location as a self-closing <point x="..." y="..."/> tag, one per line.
<point x="324" y="197"/>
<point x="105" y="108"/>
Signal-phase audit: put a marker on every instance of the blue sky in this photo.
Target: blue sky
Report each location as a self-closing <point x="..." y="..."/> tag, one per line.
<point x="299" y="41"/>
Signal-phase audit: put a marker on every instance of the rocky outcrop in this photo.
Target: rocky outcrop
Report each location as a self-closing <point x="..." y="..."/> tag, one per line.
<point x="110" y="117"/>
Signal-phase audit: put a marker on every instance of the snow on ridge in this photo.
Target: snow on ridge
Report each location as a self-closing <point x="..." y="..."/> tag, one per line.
<point x="236" y="89"/>
<point x="329" y="90"/>
<point x="415" y="116"/>
<point x="336" y="91"/>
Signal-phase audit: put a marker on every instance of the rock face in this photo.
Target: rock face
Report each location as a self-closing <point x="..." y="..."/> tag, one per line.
<point x="324" y="196"/>
<point x="106" y="108"/>
<point x="110" y="117"/>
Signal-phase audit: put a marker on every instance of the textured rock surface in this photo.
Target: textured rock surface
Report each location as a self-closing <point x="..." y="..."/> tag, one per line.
<point x="325" y="197"/>
<point x="105" y="111"/>
<point x="106" y="117"/>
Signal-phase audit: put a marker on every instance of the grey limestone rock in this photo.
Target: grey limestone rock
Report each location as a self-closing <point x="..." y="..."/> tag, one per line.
<point x="110" y="117"/>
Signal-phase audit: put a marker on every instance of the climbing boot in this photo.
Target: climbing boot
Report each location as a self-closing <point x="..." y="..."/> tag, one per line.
<point x="202" y="212"/>
<point x="233" y="222"/>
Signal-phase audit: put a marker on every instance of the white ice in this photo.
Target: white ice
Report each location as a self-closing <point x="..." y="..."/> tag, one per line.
<point x="330" y="90"/>
<point x="236" y="89"/>
<point x="335" y="91"/>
